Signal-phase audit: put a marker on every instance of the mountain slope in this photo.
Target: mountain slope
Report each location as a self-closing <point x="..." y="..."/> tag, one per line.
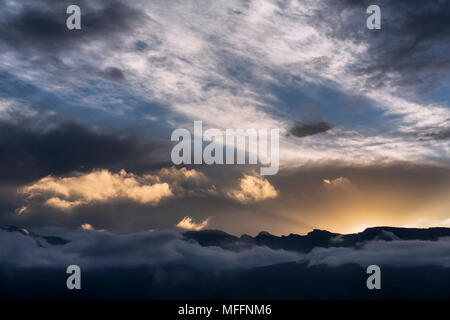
<point x="42" y="241"/>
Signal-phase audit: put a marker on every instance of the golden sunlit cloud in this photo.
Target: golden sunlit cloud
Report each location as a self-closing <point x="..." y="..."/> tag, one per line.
<point x="184" y="182"/>
<point x="253" y="188"/>
<point x="87" y="226"/>
<point x="62" y="204"/>
<point x="182" y="173"/>
<point x="189" y="224"/>
<point x="21" y="210"/>
<point x="97" y="186"/>
<point x="340" y="182"/>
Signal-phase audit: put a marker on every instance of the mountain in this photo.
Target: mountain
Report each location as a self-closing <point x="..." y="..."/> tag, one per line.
<point x="292" y="242"/>
<point x="42" y="241"/>
<point x="180" y="281"/>
<point x="315" y="238"/>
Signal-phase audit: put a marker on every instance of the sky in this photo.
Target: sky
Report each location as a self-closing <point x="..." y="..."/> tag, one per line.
<point x="86" y="115"/>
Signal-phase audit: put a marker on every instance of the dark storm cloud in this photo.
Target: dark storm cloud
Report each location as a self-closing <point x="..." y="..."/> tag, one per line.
<point x="40" y="28"/>
<point x="432" y="133"/>
<point x="309" y="128"/>
<point x="411" y="49"/>
<point x="114" y="74"/>
<point x="439" y="133"/>
<point x="29" y="152"/>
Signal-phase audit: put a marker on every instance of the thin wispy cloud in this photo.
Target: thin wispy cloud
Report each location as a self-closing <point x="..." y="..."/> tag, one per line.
<point x="221" y="65"/>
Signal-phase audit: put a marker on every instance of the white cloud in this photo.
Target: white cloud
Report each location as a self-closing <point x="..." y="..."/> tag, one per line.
<point x="198" y="64"/>
<point x="9" y="109"/>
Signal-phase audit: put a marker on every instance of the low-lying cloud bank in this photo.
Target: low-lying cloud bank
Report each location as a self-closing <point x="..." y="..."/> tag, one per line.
<point x="398" y="253"/>
<point x="92" y="249"/>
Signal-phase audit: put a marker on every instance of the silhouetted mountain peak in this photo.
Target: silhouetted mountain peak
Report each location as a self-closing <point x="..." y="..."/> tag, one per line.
<point x="264" y="234"/>
<point x="293" y="242"/>
<point x="321" y="233"/>
<point x="52" y="240"/>
<point x="245" y="237"/>
<point x="315" y="238"/>
<point x="215" y="232"/>
<point x="15" y="229"/>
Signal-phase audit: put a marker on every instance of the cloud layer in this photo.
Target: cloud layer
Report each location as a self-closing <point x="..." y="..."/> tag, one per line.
<point x="92" y="249"/>
<point x="372" y="106"/>
<point x="248" y="65"/>
<point x="392" y="253"/>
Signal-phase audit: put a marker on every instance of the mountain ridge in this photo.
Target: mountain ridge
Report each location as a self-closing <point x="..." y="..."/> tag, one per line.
<point x="315" y="238"/>
<point x="291" y="242"/>
<point x="42" y="241"/>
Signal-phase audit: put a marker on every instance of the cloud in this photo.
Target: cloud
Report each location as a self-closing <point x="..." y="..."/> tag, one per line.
<point x="155" y="249"/>
<point x="189" y="224"/>
<point x="212" y="66"/>
<point x="440" y="132"/>
<point x="253" y="188"/>
<point x="102" y="186"/>
<point x="10" y="111"/>
<point x="378" y="195"/>
<point x="168" y="249"/>
<point x="394" y="253"/>
<point x="35" y="29"/>
<point x="304" y="129"/>
<point x="338" y="183"/>
<point x="187" y="182"/>
<point x="35" y="147"/>
<point x="113" y="73"/>
<point x="239" y="63"/>
<point x="62" y="204"/>
<point x="87" y="226"/>
<point x="97" y="186"/>
<point x="21" y="210"/>
<point x="181" y="174"/>
<point x="408" y="51"/>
